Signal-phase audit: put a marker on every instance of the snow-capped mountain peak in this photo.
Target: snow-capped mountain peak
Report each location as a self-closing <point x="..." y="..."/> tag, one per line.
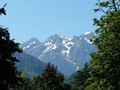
<point x="32" y="43"/>
<point x="67" y="53"/>
<point x="87" y="33"/>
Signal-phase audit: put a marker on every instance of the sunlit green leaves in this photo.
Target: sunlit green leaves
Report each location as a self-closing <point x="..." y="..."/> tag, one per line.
<point x="105" y="62"/>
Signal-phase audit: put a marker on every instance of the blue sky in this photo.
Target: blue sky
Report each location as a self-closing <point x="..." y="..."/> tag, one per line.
<point x="42" y="18"/>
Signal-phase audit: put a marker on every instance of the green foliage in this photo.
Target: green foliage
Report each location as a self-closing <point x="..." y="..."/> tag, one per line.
<point x="107" y="6"/>
<point x="80" y="77"/>
<point x="51" y="79"/>
<point x="26" y="84"/>
<point x="8" y="73"/>
<point x="104" y="67"/>
<point x="106" y="61"/>
<point x="93" y="86"/>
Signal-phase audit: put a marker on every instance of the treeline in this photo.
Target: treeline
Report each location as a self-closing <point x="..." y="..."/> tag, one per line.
<point x="101" y="73"/>
<point x="50" y="79"/>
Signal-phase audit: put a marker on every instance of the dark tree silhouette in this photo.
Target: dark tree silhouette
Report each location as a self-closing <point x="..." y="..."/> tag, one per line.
<point x="2" y="10"/>
<point x="8" y="73"/>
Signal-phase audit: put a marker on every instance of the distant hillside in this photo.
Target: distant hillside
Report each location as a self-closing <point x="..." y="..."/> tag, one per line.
<point x="29" y="64"/>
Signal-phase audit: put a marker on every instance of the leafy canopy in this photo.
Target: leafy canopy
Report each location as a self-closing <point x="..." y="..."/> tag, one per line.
<point x="106" y="61"/>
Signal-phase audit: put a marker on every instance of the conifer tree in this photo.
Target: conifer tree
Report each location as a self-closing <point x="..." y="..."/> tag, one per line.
<point x="8" y="72"/>
<point x="50" y="79"/>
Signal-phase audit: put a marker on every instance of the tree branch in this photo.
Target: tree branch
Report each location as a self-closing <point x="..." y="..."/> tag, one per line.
<point x="102" y="10"/>
<point x="114" y="4"/>
<point x="5" y="5"/>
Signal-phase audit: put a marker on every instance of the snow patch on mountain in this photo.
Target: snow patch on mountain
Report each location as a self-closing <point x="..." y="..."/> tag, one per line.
<point x="50" y="47"/>
<point x="29" y="45"/>
<point x="68" y="53"/>
<point x="67" y="44"/>
<point x="87" y="33"/>
<point x="88" y="41"/>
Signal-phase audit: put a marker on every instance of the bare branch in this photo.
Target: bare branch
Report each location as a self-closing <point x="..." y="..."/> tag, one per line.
<point x="114" y="4"/>
<point x="5" y="5"/>
<point x="110" y="1"/>
<point x="102" y="10"/>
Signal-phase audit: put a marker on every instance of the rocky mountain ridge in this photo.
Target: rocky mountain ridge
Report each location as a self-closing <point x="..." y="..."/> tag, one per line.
<point x="67" y="53"/>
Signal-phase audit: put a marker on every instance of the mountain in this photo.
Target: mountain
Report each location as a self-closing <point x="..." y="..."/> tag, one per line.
<point x="29" y="64"/>
<point x="67" y="53"/>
